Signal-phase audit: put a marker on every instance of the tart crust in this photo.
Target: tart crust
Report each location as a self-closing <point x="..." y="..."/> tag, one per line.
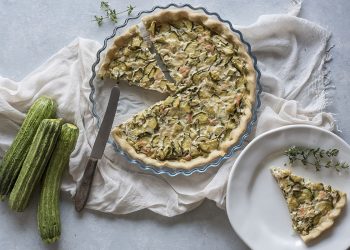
<point x="328" y="220"/>
<point x="233" y="137"/>
<point x="120" y="41"/>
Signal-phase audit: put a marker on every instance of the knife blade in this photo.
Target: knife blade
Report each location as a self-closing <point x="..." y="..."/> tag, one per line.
<point x="98" y="148"/>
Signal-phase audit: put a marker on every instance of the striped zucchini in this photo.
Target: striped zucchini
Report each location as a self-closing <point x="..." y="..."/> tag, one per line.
<point x="34" y="164"/>
<point x="13" y="159"/>
<point x="48" y="212"/>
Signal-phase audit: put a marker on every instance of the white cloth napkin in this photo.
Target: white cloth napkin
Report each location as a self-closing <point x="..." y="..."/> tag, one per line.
<point x="292" y="54"/>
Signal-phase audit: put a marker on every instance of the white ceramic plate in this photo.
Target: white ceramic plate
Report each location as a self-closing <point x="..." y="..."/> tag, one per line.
<point x="255" y="205"/>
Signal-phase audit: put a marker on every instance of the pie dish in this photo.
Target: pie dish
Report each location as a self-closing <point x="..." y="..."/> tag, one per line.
<point x="211" y="97"/>
<point x="186" y="88"/>
<point x="313" y="207"/>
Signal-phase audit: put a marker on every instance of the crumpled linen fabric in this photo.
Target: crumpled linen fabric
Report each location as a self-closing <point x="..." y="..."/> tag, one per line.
<point x="292" y="56"/>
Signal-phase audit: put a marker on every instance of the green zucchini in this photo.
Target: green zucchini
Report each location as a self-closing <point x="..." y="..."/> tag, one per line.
<point x="191" y="47"/>
<point x="142" y="55"/>
<point x="155" y="141"/>
<point x="188" y="24"/>
<point x="152" y="28"/>
<point x="209" y="145"/>
<point x="43" y="108"/>
<point x="211" y="59"/>
<point x="48" y="215"/>
<point x="201" y="117"/>
<point x="173" y="35"/>
<point x="199" y="76"/>
<point x="150" y="66"/>
<point x="219" y="41"/>
<point x="136" y="42"/>
<point x="137" y="75"/>
<point x="34" y="164"/>
<point x="198" y="28"/>
<point x="145" y="81"/>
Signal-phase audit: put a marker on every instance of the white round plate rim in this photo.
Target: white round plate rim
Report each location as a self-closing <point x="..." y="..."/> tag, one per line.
<point x="241" y="227"/>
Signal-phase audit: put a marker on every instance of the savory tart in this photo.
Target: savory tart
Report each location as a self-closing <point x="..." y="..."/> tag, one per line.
<point x="210" y="100"/>
<point x="131" y="59"/>
<point x="313" y="207"/>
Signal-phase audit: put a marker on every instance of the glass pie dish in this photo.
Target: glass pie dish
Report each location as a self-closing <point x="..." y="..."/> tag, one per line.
<point x="131" y="105"/>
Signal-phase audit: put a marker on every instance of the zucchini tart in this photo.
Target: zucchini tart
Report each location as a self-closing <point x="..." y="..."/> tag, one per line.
<point x="313" y="207"/>
<point x="210" y="96"/>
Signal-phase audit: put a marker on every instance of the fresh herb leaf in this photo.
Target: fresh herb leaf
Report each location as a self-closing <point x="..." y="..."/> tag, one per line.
<point x="104" y="6"/>
<point x="110" y="13"/>
<point x="99" y="20"/>
<point x="130" y="9"/>
<point x="317" y="157"/>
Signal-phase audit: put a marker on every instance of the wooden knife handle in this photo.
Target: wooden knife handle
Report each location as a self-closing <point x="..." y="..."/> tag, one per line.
<point x="83" y="190"/>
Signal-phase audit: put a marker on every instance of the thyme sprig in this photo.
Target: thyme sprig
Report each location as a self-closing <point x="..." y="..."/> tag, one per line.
<point x="316" y="157"/>
<point x="111" y="13"/>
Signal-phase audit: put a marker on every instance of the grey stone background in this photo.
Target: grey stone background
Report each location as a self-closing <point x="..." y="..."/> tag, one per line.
<point x="31" y="31"/>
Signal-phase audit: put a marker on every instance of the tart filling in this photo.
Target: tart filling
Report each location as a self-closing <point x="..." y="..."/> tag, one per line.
<point x="313" y="207"/>
<point x="130" y="59"/>
<point x="185" y="126"/>
<point x="194" y="54"/>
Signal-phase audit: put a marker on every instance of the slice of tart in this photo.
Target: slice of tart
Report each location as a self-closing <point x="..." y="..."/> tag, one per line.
<point x="184" y="130"/>
<point x="130" y="59"/>
<point x="313" y="207"/>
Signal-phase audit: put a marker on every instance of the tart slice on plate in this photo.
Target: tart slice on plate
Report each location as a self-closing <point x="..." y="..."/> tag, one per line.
<point x="313" y="207"/>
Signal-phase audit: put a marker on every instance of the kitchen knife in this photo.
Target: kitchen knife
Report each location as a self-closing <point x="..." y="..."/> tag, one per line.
<point x="83" y="190"/>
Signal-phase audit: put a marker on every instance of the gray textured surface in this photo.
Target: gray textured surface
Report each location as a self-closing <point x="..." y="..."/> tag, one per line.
<point x="31" y="31"/>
